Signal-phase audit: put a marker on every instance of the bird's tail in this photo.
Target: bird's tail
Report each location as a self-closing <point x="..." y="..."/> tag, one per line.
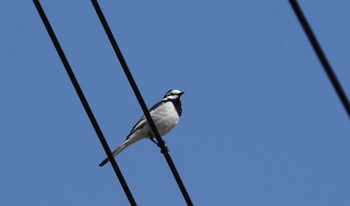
<point x="129" y="140"/>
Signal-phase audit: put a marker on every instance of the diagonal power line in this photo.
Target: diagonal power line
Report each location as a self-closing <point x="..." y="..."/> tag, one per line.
<point x="84" y="101"/>
<point x="141" y="101"/>
<point x="322" y="57"/>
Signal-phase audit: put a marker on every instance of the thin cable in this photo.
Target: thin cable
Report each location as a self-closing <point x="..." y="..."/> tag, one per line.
<point x="327" y="67"/>
<point x="84" y="101"/>
<point x="142" y="103"/>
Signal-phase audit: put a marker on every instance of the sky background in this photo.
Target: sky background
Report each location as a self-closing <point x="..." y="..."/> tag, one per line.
<point x="261" y="123"/>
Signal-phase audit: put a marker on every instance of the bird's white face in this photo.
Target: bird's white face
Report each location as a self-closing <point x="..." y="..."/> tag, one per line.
<point x="173" y="94"/>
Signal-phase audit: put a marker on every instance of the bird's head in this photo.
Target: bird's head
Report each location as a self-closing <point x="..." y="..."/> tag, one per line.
<point x="173" y="94"/>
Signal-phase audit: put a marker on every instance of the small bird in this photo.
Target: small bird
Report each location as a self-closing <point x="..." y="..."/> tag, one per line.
<point x="165" y="114"/>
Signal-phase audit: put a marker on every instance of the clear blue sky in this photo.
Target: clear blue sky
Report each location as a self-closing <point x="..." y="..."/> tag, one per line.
<point x="261" y="122"/>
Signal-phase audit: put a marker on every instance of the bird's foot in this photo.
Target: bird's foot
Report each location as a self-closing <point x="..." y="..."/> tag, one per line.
<point x="165" y="150"/>
<point x="159" y="145"/>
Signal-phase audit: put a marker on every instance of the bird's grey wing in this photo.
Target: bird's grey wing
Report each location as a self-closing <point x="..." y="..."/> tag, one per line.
<point x="142" y="122"/>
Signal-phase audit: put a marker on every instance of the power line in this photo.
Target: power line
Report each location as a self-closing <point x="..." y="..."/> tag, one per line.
<point x="322" y="57"/>
<point x="142" y="103"/>
<point x="84" y="101"/>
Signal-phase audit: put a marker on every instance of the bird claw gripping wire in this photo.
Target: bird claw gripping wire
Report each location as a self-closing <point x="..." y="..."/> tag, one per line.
<point x="165" y="150"/>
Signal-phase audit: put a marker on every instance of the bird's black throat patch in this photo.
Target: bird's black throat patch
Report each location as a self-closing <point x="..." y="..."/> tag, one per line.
<point x="177" y="104"/>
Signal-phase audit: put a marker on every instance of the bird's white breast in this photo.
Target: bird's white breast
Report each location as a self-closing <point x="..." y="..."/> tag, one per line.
<point x="165" y="117"/>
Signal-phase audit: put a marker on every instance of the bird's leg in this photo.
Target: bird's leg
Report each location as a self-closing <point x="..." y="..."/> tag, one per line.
<point x="152" y="139"/>
<point x="165" y="147"/>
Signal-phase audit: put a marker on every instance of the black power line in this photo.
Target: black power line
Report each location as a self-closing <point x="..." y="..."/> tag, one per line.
<point x="326" y="65"/>
<point x="84" y="101"/>
<point x="138" y="95"/>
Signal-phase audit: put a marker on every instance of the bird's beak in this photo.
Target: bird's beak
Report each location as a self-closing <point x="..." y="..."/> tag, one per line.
<point x="181" y="93"/>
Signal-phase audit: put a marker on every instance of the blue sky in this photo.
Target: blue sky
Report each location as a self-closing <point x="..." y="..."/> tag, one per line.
<point x="261" y="122"/>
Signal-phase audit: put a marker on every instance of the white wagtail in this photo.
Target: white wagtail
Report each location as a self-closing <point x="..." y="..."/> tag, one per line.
<point x="165" y="114"/>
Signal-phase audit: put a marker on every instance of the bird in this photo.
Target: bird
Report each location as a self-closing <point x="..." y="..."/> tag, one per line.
<point x="165" y="114"/>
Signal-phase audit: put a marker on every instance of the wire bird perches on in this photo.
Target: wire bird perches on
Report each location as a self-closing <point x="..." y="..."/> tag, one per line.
<point x="322" y="57"/>
<point x="141" y="101"/>
<point x="84" y="101"/>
